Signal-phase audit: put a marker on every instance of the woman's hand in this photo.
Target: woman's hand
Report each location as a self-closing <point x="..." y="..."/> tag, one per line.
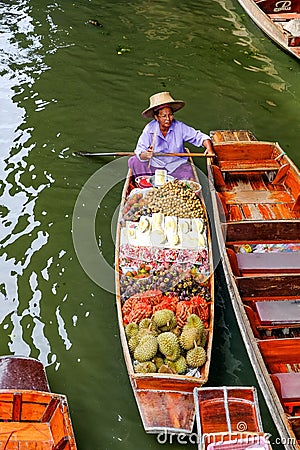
<point x="209" y="148"/>
<point x="147" y="155"/>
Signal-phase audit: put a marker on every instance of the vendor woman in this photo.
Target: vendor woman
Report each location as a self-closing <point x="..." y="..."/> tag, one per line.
<point x="164" y="134"/>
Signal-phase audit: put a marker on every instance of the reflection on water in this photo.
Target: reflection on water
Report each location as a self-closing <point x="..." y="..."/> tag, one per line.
<point x="64" y="88"/>
<point x="22" y="235"/>
<point x="245" y="39"/>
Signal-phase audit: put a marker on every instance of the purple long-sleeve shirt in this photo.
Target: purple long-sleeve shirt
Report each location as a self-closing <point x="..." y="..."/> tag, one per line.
<point x="177" y="135"/>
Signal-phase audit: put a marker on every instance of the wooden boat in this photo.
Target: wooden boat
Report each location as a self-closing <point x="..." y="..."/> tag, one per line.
<point x="280" y="20"/>
<point x="156" y="275"/>
<point x="255" y="193"/>
<point x="31" y="417"/>
<point x="228" y="418"/>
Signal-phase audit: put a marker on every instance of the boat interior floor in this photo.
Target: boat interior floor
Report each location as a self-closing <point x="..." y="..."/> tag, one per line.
<point x="253" y="196"/>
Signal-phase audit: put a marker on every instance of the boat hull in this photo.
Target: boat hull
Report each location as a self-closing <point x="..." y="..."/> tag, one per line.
<point x="256" y="280"/>
<point x="165" y="400"/>
<point x="32" y="417"/>
<point x="271" y="23"/>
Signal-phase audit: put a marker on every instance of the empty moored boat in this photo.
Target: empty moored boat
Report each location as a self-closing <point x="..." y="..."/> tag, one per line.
<point x="31" y="417"/>
<point x="255" y="190"/>
<point x="228" y="418"/>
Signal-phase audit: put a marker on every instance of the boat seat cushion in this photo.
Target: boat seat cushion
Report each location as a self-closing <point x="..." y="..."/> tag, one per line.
<point x="289" y="385"/>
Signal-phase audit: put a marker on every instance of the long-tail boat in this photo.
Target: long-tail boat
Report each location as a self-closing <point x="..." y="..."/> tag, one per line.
<point x="255" y="192"/>
<point x="280" y="20"/>
<point x="228" y="418"/>
<point x="164" y="284"/>
<point x="31" y="417"/>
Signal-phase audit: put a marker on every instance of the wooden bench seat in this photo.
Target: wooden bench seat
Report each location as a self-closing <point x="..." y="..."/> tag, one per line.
<point x="264" y="326"/>
<point x="249" y="165"/>
<point x="282" y="312"/>
<point x="287" y="386"/>
<point x="272" y="262"/>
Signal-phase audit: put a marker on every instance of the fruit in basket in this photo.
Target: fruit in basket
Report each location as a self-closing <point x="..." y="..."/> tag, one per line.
<point x="174" y="199"/>
<point x="170" y="325"/>
<point x="189" y="337"/>
<point x="133" y="343"/>
<point x="163" y="318"/>
<point x="196" y="357"/>
<point x="168" y="345"/>
<point x="145" y="323"/>
<point x="145" y="367"/>
<point x="179" y="366"/>
<point x="158" y="361"/>
<point x="193" y="321"/>
<point x="143" y="224"/>
<point x="146" y="349"/>
<point x="131" y="329"/>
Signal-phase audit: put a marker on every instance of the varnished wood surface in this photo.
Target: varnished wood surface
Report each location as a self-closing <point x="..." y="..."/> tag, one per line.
<point x="165" y="401"/>
<point x="220" y="412"/>
<point x="31" y="419"/>
<point x="260" y="207"/>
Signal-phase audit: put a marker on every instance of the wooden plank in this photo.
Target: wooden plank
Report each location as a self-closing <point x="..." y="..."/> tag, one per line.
<point x="249" y="196"/>
<point x="17" y="407"/>
<point x="26" y="432"/>
<point x="249" y="166"/>
<point x="249" y="152"/>
<point x="232" y="135"/>
<point x="264" y="231"/>
<point x="166" y="410"/>
<point x="283" y="351"/>
<point x="57" y="425"/>
<point x="235" y="213"/>
<point x="257" y="286"/>
<point x="54" y="402"/>
<point x="281" y="174"/>
<point x="32" y="411"/>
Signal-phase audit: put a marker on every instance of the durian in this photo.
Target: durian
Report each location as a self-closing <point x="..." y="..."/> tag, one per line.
<point x="179" y="365"/>
<point x="144" y="323"/>
<point x="175" y="355"/>
<point x="133" y="343"/>
<point x="158" y="361"/>
<point x="168" y="345"/>
<point x="143" y="224"/>
<point x="145" y="367"/>
<point x="131" y="329"/>
<point x="146" y="349"/>
<point x="166" y="369"/>
<point x="196" y="357"/>
<point x="157" y="221"/>
<point x="194" y="321"/>
<point x="176" y="331"/>
<point x="145" y="332"/>
<point x="189" y="337"/>
<point x="203" y="339"/>
<point x="170" y="325"/>
<point x="163" y="317"/>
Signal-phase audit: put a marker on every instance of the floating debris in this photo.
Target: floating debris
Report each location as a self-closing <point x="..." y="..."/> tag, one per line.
<point x="120" y="50"/>
<point x="95" y="23"/>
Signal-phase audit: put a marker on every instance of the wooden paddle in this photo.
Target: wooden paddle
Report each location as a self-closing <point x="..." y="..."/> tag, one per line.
<point x="132" y="154"/>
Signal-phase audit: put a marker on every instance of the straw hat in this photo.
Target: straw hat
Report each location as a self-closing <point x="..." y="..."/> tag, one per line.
<point x="162" y="99"/>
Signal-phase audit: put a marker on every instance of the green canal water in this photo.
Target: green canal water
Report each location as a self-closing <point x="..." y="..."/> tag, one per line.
<point x="67" y="86"/>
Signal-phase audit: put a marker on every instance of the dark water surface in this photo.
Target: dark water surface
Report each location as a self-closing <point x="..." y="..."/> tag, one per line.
<point x="66" y="85"/>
